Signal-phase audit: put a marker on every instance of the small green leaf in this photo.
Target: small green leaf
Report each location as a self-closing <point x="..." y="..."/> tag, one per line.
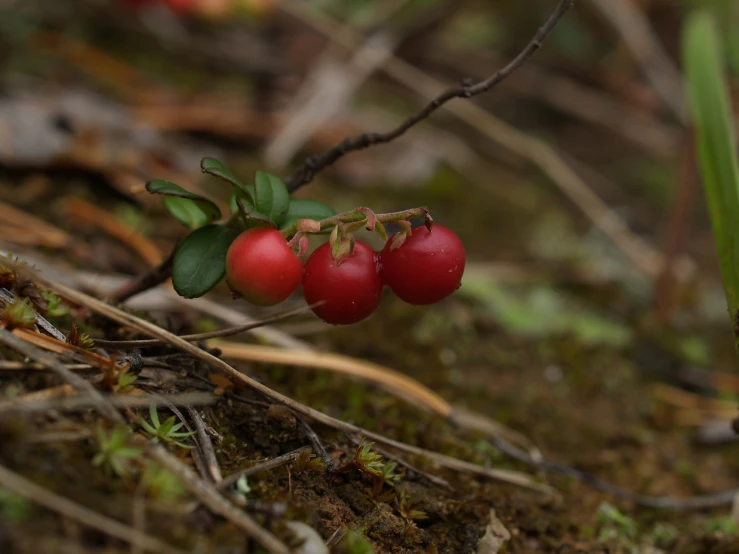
<point x="306" y="209"/>
<point x="200" y="260"/>
<point x="188" y="208"/>
<point x="272" y="198"/>
<point x="217" y="169"/>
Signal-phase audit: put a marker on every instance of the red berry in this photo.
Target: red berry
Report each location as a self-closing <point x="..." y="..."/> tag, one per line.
<point x="262" y="268"/>
<point x="426" y="268"/>
<point x="351" y="289"/>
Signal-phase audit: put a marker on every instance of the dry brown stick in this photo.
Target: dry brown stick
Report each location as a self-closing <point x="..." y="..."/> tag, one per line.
<point x="210" y="497"/>
<point x="314" y="164"/>
<point x="274" y="463"/>
<point x="204" y="336"/>
<point x="84" y="402"/>
<point x="10" y="365"/>
<point x="66" y="508"/>
<point x="206" y="446"/>
<point x="47" y="360"/>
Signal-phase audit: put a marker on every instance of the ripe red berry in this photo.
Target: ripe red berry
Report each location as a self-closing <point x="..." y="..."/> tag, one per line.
<point x="426" y="268"/>
<point x="351" y="289"/>
<point x="262" y="268"/>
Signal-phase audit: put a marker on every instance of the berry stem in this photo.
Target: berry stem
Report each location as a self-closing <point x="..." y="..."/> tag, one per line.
<point x="363" y="214"/>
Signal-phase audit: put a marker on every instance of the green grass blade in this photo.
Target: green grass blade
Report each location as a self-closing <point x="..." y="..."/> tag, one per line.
<point x="715" y="144"/>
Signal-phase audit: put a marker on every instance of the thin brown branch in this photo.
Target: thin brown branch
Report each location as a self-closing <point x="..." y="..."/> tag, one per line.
<point x="84" y="402"/>
<point x="229" y="331"/>
<point x="206" y="445"/>
<point x="314" y="164"/>
<point x="274" y="463"/>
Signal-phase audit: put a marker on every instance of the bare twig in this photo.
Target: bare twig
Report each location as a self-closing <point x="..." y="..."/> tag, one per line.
<point x="47" y="360"/>
<point x="10" y="365"/>
<point x="204" y="336"/>
<point x="211" y="461"/>
<point x="210" y="497"/>
<point x="314" y="164"/>
<point x="20" y="485"/>
<point x="84" y="402"/>
<point x="274" y="463"/>
<point x="318" y="448"/>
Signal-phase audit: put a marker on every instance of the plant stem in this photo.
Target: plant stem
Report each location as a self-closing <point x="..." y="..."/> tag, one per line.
<point x="361" y="214"/>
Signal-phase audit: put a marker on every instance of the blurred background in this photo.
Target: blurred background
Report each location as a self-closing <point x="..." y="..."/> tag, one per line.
<point x="591" y="316"/>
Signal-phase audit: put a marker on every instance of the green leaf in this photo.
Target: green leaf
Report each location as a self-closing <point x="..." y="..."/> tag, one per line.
<point x="306" y="209"/>
<point x="715" y="144"/>
<point x="272" y="198"/>
<point x="188" y="208"/>
<point x="217" y="169"/>
<point x="200" y="260"/>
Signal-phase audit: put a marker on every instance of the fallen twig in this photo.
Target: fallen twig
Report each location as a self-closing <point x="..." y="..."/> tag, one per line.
<point x="84" y="402"/>
<point x="274" y="463"/>
<point x="206" y="446"/>
<point x="230" y="331"/>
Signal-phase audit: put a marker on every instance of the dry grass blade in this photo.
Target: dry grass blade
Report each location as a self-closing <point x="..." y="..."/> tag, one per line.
<point x="150" y="329"/>
<point x="393" y="381"/>
<point x="29" y="404"/>
<point x="47" y="360"/>
<point x="68" y="509"/>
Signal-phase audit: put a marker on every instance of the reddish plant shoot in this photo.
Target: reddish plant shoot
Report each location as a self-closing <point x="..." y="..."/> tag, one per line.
<point x="426" y="268"/>
<point x="350" y="290"/>
<point x="262" y="268"/>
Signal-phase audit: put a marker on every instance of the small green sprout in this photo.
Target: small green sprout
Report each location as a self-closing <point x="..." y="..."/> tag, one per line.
<point x="406" y="512"/>
<point x="115" y="455"/>
<point x="13" y="507"/>
<point x="161" y="484"/>
<point x="55" y="306"/>
<point x="356" y="543"/>
<point x="18" y="314"/>
<point x="373" y="465"/>
<point x="124" y="380"/>
<point x="167" y="432"/>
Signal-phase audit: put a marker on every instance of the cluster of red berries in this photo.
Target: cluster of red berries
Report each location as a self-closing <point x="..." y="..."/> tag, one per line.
<point x="426" y="268"/>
